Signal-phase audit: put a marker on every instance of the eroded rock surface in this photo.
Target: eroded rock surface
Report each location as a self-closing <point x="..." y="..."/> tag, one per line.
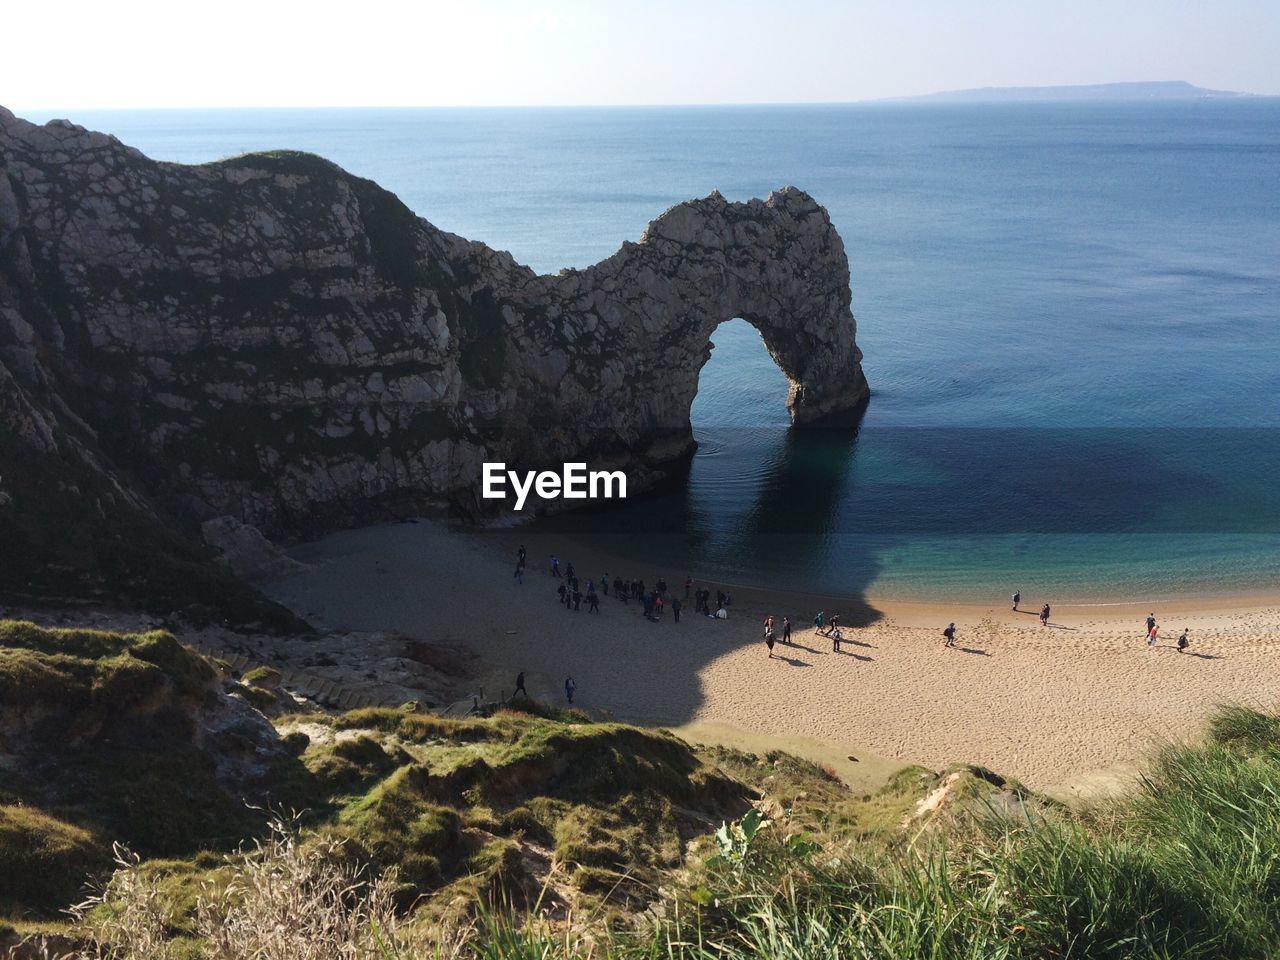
<point x="273" y="339"/>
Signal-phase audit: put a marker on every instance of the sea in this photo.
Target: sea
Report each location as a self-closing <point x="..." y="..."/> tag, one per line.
<point x="1070" y="315"/>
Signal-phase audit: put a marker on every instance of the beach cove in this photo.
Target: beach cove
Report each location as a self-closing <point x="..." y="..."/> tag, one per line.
<point x="1070" y="709"/>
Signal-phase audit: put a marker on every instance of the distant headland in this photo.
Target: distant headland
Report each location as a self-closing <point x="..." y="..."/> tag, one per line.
<point x="1142" y="90"/>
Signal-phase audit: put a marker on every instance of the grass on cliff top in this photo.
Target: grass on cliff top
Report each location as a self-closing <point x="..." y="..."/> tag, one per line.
<point x="391" y="227"/>
<point x="44" y="860"/>
<point x="1186" y="868"/>
<point x="536" y="810"/>
<point x="113" y="669"/>
<point x="454" y="805"/>
<point x="298" y="162"/>
<point x="93" y="671"/>
<point x="466" y="811"/>
<point x="104" y="747"/>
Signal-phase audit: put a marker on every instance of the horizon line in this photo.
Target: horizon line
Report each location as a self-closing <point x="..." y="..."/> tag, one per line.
<point x="895" y="98"/>
<point x="902" y="100"/>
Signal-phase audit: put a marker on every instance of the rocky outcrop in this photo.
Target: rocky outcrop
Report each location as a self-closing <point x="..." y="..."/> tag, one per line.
<point x="273" y="339"/>
<point x="246" y="551"/>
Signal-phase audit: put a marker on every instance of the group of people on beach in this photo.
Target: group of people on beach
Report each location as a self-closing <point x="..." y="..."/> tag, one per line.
<point x="1153" y="634"/>
<point x="654" y="603"/>
<point x="571" y="592"/>
<point x="1017" y="599"/>
<point x="821" y="626"/>
<point x="831" y="631"/>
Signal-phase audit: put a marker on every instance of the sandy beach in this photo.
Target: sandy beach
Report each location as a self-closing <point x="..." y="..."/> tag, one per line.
<point x="1071" y="708"/>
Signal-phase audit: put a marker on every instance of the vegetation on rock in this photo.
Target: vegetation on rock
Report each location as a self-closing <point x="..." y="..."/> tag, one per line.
<point x="540" y="833"/>
<point x="107" y="736"/>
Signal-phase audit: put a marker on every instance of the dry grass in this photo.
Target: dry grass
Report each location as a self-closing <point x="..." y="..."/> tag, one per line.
<point x="285" y="900"/>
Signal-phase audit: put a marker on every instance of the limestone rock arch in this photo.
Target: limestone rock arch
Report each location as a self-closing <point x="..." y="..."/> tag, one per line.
<point x="640" y="322"/>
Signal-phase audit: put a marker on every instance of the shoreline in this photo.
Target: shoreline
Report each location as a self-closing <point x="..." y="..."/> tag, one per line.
<point x="1072" y="710"/>
<point x="510" y="533"/>
<point x="1208" y="602"/>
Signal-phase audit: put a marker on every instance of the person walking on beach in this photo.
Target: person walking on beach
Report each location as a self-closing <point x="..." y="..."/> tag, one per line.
<point x="675" y="610"/>
<point x="555" y="566"/>
<point x="520" y="686"/>
<point x="520" y="574"/>
<point x="570" y="685"/>
<point x="1182" y="640"/>
<point x="786" y="630"/>
<point x="768" y="626"/>
<point x="1153" y="634"/>
<point x="1151" y="624"/>
<point x="1044" y="615"/>
<point x="521" y="555"/>
<point x="768" y="642"/>
<point x="560" y="592"/>
<point x="568" y="572"/>
<point x="834" y="622"/>
<point x="1017" y="599"/>
<point x="950" y="634"/>
<point x="604" y="584"/>
<point x="818" y="621"/>
<point x="836" y="637"/>
<point x="593" y="602"/>
<point x="577" y="599"/>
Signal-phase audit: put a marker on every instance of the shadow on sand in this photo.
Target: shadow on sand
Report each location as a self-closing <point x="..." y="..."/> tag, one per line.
<point x="856" y="656"/>
<point x="675" y="533"/>
<point x="791" y="661"/>
<point x="800" y="646"/>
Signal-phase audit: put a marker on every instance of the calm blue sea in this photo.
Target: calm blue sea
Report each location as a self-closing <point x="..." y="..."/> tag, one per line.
<point x="1070" y="315"/>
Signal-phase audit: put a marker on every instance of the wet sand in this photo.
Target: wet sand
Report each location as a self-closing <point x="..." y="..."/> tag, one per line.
<point x="1071" y="708"/>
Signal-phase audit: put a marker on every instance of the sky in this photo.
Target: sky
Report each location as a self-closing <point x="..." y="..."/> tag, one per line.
<point x="271" y="53"/>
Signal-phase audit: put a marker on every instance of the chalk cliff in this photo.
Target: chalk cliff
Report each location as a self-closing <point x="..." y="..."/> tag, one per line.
<point x="274" y="339"/>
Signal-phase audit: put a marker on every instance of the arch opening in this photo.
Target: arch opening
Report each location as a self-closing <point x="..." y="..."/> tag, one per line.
<point x="740" y="383"/>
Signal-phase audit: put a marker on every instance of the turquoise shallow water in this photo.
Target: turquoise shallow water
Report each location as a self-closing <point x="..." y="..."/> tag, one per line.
<point x="1070" y="314"/>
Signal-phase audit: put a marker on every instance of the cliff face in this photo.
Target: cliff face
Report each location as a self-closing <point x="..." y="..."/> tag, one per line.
<point x="272" y="338"/>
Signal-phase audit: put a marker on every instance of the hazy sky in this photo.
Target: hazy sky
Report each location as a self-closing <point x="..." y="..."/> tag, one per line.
<point x="139" y="53"/>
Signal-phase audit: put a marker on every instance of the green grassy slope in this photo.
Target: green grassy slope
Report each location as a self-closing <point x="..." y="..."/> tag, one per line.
<point x="543" y="834"/>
